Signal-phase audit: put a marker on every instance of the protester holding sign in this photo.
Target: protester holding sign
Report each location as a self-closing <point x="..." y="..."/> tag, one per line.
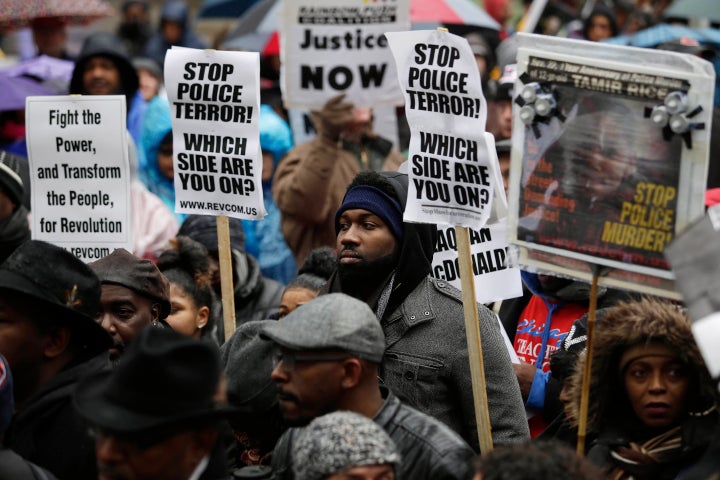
<point x="387" y="263"/>
<point x="310" y="182"/>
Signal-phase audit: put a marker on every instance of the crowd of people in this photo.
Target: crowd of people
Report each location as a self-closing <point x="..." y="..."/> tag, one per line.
<point x="349" y="360"/>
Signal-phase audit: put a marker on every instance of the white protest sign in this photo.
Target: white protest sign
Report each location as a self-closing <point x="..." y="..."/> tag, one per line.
<point x="335" y="46"/>
<point x="495" y="277"/>
<point x="449" y="172"/>
<point x="494" y="263"/>
<point x="79" y="174"/>
<point x="215" y="102"/>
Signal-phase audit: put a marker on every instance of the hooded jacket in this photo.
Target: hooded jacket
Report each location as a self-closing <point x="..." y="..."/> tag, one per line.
<point x="570" y="302"/>
<point x="106" y="44"/>
<point x="310" y="183"/>
<point x="174" y="11"/>
<point x="426" y="359"/>
<point x="264" y="240"/>
<point x="156" y="126"/>
<point x="611" y="420"/>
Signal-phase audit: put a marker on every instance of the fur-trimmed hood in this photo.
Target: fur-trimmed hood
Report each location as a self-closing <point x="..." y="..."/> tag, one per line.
<point x="627" y="324"/>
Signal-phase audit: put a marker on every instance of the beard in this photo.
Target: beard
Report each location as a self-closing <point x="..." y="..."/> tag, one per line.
<point x="360" y="280"/>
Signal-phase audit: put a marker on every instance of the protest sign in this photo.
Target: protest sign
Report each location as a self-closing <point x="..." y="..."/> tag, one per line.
<point x="449" y="172"/>
<point x="79" y="174"/>
<point x="695" y="259"/>
<point x="613" y="160"/>
<point x="339" y="46"/>
<point x="496" y="276"/>
<point x="215" y="102"/>
<point x="494" y="263"/>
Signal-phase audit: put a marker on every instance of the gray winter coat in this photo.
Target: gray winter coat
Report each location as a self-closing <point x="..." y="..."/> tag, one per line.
<point x="426" y="359"/>
<point x="426" y="364"/>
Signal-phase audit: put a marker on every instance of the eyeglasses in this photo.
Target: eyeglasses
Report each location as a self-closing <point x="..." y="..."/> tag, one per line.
<point x="289" y="359"/>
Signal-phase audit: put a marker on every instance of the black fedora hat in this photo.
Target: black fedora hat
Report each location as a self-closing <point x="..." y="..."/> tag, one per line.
<point x="57" y="280"/>
<point x="165" y="380"/>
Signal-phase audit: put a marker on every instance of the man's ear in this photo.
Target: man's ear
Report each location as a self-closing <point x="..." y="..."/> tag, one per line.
<point x="154" y="313"/>
<point x="57" y="342"/>
<point x="352" y="373"/>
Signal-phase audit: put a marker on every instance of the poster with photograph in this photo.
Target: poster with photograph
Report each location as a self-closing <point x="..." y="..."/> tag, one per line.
<point x="215" y="104"/>
<point x="613" y="161"/>
<point x="79" y="173"/>
<point x="339" y="46"/>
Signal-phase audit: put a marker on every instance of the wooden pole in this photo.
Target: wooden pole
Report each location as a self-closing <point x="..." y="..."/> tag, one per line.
<point x="585" y="393"/>
<point x="226" y="274"/>
<point x="472" y="331"/>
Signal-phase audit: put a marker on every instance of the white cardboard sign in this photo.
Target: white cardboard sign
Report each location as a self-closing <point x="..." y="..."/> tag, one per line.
<point x="339" y="46"/>
<point x="79" y="173"/>
<point x="215" y="103"/>
<point x="450" y="177"/>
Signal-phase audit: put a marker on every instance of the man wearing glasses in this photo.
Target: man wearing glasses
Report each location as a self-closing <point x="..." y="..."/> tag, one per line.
<point x="328" y="356"/>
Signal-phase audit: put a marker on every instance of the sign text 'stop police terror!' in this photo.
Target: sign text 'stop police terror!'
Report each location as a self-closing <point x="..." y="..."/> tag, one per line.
<point x="214" y="98"/>
<point x="450" y="173"/>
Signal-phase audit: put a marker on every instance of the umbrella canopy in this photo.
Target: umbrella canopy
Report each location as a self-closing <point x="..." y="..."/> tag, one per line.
<point x="19" y="13"/>
<point x="654" y="36"/>
<point x="436" y="13"/>
<point x="43" y="68"/>
<point x="694" y="9"/>
<point x="224" y="8"/>
<point x="16" y="89"/>
<point x="255" y="29"/>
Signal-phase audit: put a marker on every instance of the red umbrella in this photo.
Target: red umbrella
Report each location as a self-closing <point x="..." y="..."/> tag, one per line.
<point x="435" y="13"/>
<point x="256" y="29"/>
<point x="19" y="13"/>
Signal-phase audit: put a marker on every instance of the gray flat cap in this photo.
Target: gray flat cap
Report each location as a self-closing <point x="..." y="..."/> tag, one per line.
<point x="331" y="322"/>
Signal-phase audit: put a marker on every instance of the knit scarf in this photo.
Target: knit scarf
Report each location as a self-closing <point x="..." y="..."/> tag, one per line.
<point x="663" y="448"/>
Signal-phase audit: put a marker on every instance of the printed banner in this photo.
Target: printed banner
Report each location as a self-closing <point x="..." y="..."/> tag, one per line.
<point x="614" y="158"/>
<point x="450" y="175"/>
<point x="215" y="102"/>
<point x="331" y="47"/>
<point x="79" y="174"/>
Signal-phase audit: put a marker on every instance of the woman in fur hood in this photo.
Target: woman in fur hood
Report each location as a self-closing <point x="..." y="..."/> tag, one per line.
<point x="652" y="409"/>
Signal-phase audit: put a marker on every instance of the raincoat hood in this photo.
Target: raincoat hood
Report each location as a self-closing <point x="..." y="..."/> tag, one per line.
<point x="107" y="45"/>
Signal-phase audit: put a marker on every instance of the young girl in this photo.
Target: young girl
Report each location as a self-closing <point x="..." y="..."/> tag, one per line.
<point x="187" y="269"/>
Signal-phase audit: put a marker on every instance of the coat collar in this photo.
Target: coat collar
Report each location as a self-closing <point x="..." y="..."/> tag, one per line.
<point x="414" y="310"/>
